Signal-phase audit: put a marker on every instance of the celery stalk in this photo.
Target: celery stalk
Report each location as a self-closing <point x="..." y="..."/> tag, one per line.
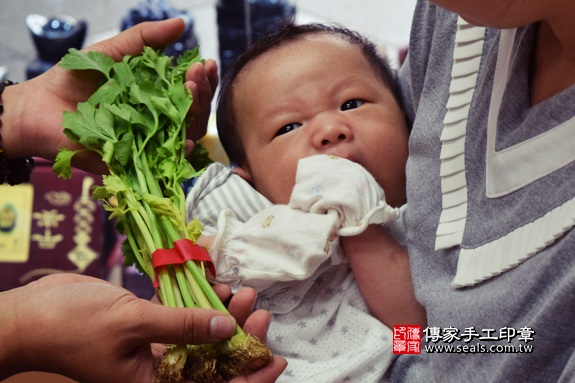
<point x="137" y="122"/>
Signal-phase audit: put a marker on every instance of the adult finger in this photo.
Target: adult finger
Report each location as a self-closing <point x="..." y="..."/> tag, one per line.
<point x="267" y="374"/>
<point x="242" y="303"/>
<point x="223" y="291"/>
<point x="257" y="324"/>
<point x="202" y="81"/>
<point x="206" y="77"/>
<point x="162" y="324"/>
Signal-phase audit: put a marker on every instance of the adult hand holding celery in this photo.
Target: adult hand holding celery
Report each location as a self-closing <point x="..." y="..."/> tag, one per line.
<point x="136" y="121"/>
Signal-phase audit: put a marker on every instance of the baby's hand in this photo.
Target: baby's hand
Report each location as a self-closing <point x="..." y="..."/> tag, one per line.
<point x="344" y="187"/>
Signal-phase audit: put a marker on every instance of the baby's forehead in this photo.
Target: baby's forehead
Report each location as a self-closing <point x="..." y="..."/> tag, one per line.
<point x="312" y="42"/>
<point x="328" y="50"/>
<point x="326" y="38"/>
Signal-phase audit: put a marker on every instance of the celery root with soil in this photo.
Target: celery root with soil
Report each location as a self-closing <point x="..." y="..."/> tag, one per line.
<point x="136" y="121"/>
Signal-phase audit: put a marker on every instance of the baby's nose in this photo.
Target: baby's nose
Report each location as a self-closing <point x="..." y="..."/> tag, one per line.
<point x="332" y="133"/>
<point x="333" y="138"/>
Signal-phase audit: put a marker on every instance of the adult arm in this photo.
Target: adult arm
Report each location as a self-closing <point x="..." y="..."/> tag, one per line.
<point x="93" y="331"/>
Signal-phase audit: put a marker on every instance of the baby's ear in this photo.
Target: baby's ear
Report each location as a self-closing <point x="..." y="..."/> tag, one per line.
<point x="244" y="173"/>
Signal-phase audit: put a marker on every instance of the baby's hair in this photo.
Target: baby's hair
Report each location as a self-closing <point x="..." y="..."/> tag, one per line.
<point x="225" y="116"/>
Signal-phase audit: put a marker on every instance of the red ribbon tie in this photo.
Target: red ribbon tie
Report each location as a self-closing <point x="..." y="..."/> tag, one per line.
<point x="184" y="250"/>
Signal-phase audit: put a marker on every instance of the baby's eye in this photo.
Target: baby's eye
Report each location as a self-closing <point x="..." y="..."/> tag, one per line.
<point x="287" y="128"/>
<point x="352" y="104"/>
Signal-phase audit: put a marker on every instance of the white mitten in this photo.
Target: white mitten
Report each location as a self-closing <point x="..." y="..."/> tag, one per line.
<point x="328" y="183"/>
<point x="279" y="244"/>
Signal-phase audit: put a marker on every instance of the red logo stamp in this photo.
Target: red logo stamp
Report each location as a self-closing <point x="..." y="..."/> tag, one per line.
<point x="407" y="339"/>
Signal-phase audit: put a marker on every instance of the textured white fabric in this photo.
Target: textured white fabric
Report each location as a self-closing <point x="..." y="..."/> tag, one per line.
<point x="278" y="244"/>
<point x="291" y="255"/>
<point x="348" y="190"/>
<point x="218" y="188"/>
<point x="287" y="243"/>
<point x="468" y="47"/>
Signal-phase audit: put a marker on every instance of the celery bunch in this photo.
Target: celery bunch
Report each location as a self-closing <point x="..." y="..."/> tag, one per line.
<point x="136" y="121"/>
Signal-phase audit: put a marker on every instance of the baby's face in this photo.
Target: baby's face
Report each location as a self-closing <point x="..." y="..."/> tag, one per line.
<point x="318" y="95"/>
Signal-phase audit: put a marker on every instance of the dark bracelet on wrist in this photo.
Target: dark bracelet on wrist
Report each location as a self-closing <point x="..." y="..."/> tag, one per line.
<point x="12" y="170"/>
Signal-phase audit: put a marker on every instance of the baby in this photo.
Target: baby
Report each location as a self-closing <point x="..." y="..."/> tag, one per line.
<point x="309" y="119"/>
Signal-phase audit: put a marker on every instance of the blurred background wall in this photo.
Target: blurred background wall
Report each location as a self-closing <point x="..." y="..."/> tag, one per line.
<point x="387" y="22"/>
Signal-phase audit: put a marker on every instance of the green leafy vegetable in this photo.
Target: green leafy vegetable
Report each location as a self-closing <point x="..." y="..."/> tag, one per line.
<point x="136" y="121"/>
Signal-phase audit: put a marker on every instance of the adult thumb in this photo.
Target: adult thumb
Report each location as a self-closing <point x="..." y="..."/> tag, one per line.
<point x="162" y="324"/>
